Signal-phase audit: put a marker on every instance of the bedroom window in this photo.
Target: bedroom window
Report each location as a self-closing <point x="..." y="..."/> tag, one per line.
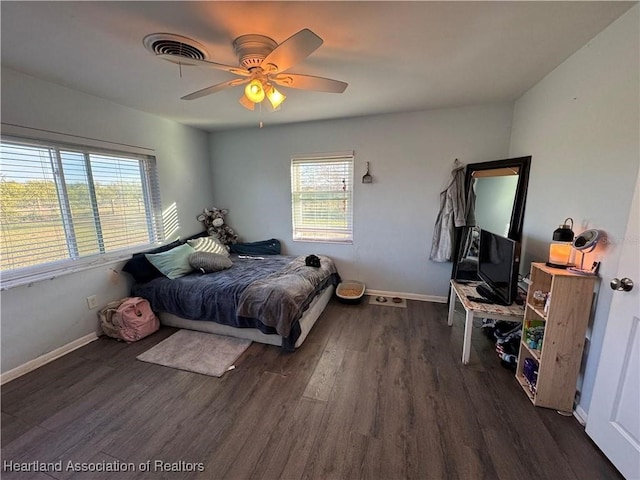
<point x="65" y="206"/>
<point x="322" y="198"/>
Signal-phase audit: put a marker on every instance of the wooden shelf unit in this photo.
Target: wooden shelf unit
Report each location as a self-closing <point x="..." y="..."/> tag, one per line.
<point x="565" y="325"/>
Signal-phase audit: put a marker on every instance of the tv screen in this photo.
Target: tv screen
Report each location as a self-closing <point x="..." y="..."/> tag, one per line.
<point x="498" y="266"/>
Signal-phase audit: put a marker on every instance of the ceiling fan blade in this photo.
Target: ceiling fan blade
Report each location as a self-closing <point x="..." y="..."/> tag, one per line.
<point x="291" y="51"/>
<point x="178" y="59"/>
<point x="215" y="88"/>
<point x="308" y="82"/>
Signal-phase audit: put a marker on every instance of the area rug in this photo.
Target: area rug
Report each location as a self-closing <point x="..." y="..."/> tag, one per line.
<point x="198" y="352"/>
<point x="387" y="301"/>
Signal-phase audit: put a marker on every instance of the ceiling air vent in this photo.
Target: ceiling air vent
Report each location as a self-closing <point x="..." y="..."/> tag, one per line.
<point x="171" y="44"/>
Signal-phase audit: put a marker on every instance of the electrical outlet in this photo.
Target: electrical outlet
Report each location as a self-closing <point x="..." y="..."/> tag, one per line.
<point x="92" y="302"/>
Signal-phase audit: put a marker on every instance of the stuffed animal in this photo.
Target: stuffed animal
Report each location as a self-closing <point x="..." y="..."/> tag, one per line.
<point x="213" y="220"/>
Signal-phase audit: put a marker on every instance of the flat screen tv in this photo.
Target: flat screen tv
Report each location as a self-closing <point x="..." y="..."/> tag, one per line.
<point x="498" y="267"/>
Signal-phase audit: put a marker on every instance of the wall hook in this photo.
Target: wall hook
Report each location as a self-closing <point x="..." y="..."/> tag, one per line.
<point x="367" y="178"/>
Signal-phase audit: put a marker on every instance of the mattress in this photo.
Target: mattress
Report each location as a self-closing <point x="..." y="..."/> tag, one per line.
<point x="269" y="294"/>
<point x="308" y="320"/>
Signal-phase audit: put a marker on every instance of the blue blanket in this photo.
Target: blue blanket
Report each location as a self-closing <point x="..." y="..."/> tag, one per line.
<point x="269" y="293"/>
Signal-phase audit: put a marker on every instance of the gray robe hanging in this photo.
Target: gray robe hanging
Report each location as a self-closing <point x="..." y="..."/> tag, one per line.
<point x="452" y="214"/>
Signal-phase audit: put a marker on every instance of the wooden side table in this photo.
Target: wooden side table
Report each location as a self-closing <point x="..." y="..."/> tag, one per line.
<point x="512" y="313"/>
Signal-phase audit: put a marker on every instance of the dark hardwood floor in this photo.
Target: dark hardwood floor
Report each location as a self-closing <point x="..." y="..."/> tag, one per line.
<point x="375" y="392"/>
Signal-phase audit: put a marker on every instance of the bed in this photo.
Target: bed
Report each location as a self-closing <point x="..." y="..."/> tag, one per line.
<point x="273" y="299"/>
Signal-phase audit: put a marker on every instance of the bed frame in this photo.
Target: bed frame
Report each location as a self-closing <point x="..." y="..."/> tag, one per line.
<point x="307" y="321"/>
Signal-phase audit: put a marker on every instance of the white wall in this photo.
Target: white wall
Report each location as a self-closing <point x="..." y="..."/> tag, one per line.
<point x="46" y="315"/>
<point x="410" y="155"/>
<point x="581" y="125"/>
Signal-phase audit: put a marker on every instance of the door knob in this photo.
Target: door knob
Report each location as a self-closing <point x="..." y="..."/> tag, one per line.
<point x="623" y="285"/>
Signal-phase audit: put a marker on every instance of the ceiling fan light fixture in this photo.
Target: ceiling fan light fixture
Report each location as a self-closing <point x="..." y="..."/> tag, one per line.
<point x="275" y="97"/>
<point x="262" y="61"/>
<point x="246" y="103"/>
<point x="254" y="91"/>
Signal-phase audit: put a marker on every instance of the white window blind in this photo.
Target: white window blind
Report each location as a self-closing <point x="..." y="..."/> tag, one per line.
<point x="322" y="198"/>
<point x="62" y="204"/>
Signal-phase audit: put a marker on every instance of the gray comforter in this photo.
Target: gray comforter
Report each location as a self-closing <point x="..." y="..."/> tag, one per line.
<point x="269" y="293"/>
<point x="280" y="298"/>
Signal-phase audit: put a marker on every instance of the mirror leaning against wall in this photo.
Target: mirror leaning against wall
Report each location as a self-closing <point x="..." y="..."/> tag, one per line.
<point x="496" y="194"/>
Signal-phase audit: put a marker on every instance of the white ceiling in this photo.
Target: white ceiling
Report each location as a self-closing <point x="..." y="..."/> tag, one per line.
<point x="396" y="56"/>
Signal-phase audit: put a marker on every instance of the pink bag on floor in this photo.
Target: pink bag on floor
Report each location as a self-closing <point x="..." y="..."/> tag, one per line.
<point x="129" y="319"/>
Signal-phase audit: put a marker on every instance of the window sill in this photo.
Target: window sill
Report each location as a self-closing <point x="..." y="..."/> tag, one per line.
<point x="80" y="266"/>
<point x="318" y="240"/>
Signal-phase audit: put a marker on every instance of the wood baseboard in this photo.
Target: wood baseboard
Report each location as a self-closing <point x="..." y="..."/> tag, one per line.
<point x="408" y="296"/>
<point x="580" y="415"/>
<point x="46" y="358"/>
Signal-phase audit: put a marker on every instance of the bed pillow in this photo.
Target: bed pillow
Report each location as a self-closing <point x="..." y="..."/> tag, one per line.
<point x="141" y="269"/>
<point x="173" y="263"/>
<point x="208" y="262"/>
<point x="263" y="247"/>
<point x="210" y="245"/>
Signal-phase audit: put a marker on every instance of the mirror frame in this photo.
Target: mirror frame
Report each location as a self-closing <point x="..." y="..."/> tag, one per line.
<point x="517" y="213"/>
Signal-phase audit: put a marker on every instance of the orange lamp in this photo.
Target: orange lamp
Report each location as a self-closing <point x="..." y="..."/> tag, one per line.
<point x="560" y="248"/>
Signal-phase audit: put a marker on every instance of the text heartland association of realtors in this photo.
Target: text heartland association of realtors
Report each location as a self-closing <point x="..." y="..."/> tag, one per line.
<point x="113" y="466"/>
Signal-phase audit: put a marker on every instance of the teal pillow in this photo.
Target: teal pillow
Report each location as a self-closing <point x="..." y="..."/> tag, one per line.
<point x="173" y="263"/>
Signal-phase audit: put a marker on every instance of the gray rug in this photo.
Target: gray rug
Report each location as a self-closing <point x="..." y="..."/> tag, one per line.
<point x="197" y="352"/>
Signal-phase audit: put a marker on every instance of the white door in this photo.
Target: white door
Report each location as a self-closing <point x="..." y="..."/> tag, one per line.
<point x="614" y="413"/>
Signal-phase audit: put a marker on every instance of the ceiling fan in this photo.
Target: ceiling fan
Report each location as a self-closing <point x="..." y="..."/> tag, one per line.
<point x="263" y="65"/>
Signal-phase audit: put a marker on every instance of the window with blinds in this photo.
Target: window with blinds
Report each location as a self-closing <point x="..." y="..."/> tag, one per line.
<point x="322" y="198"/>
<point x="61" y="204"/>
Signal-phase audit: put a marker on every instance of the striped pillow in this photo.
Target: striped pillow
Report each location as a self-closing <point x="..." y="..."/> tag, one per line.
<point x="209" y="262"/>
<point x="208" y="244"/>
